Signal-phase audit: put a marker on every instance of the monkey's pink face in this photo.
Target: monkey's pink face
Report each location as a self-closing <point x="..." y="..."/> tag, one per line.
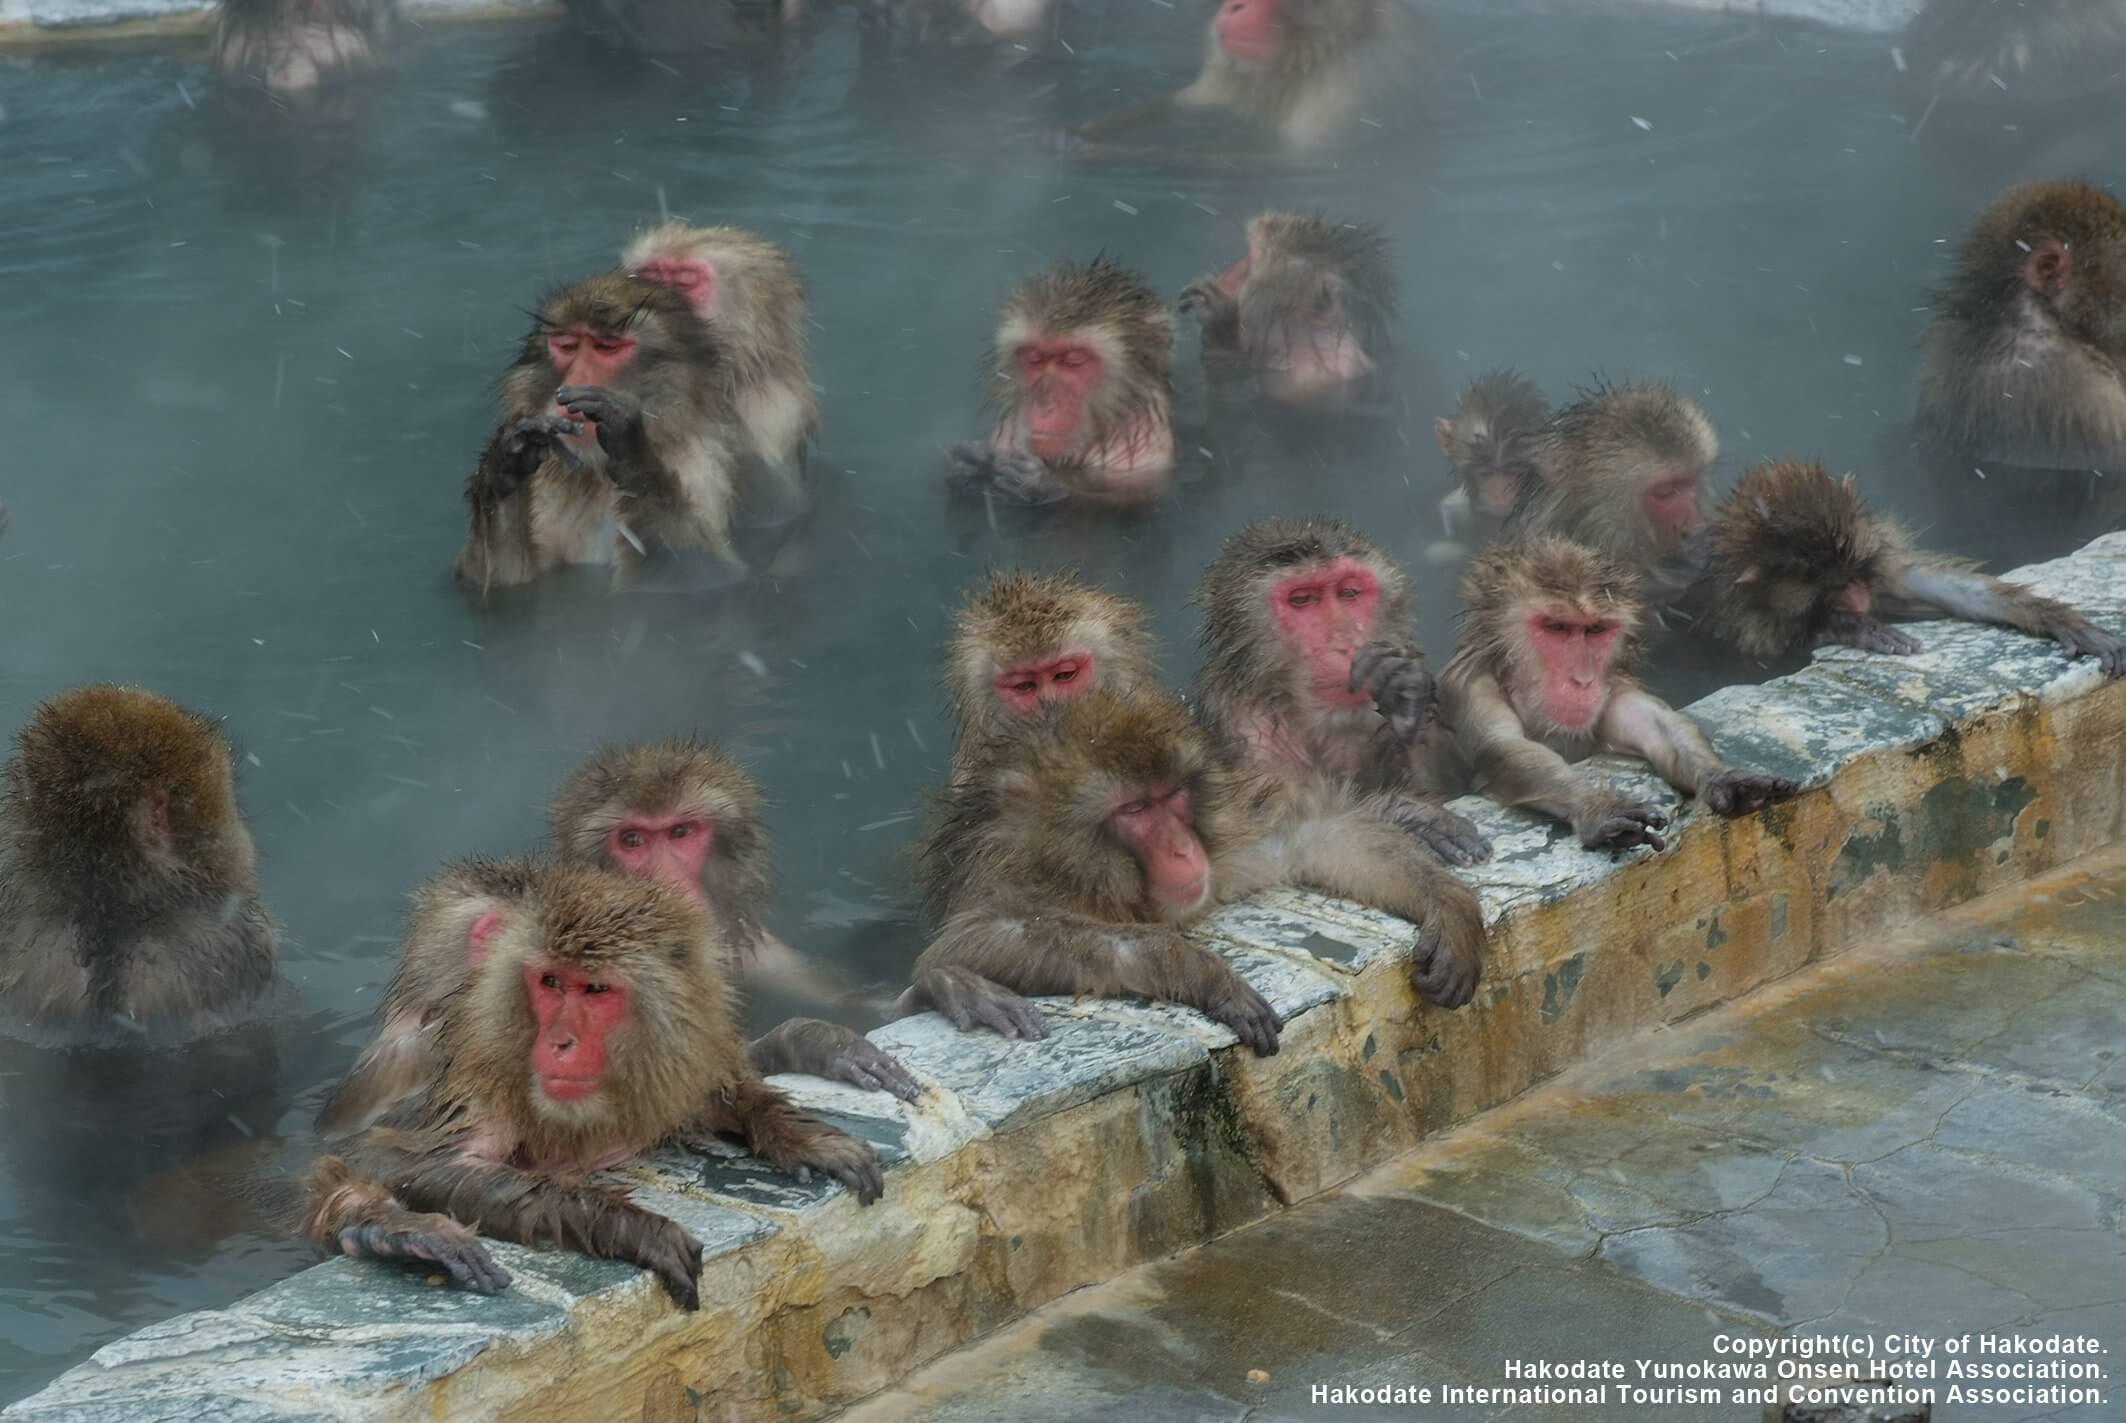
<point x="1575" y="649"/>
<point x="1670" y="505"/>
<point x="1030" y="685"/>
<point x="1326" y="614"/>
<point x="1159" y="831"/>
<point x="669" y="849"/>
<point x="1249" y="31"/>
<point x="1057" y="377"/>
<point x="575" y="1013"/>
<point x="691" y="277"/>
<point x="583" y="356"/>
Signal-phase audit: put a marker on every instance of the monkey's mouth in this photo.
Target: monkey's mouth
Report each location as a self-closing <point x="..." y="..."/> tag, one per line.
<point x="568" y="1089"/>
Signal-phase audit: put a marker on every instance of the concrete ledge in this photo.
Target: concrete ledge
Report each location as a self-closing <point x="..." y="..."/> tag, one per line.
<point x="1031" y="1169"/>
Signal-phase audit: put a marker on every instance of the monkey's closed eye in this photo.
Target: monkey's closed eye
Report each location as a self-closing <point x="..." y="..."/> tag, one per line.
<point x="1066" y="674"/>
<point x="1347" y="593"/>
<point x="1305" y="598"/>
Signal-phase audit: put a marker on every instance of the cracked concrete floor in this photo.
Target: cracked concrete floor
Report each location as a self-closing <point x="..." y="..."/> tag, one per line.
<point x="1928" y="1138"/>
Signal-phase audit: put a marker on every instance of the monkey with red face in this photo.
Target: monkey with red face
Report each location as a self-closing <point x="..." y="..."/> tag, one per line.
<point x="1543" y="679"/>
<point x="1079" y="377"/>
<point x="618" y="440"/>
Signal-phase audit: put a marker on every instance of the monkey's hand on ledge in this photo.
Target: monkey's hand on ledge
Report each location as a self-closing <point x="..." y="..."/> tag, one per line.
<point x="1447" y="959"/>
<point x="824" y="1049"/>
<point x="843" y="1157"/>
<point x="1399" y="683"/>
<point x="1017" y="475"/>
<point x="972" y="1001"/>
<point x="2081" y="638"/>
<point x="520" y="447"/>
<point x="1611" y="823"/>
<point x="1732" y="793"/>
<point x="1869" y="635"/>
<point x="1250" y="1017"/>
<point x="429" y="1238"/>
<point x="1454" y="839"/>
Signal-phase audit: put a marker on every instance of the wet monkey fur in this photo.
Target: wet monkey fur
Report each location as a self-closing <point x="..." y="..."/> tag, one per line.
<point x="1543" y="678"/>
<point x="595" y="1024"/>
<point x="128" y="889"/>
<point x="1798" y="560"/>
<point x="1304" y="314"/>
<point x="1022" y="640"/>
<point x="2025" y="359"/>
<point x="292" y="46"/>
<point x="617" y="442"/>
<point x="1490" y="445"/>
<point x="1080" y="379"/>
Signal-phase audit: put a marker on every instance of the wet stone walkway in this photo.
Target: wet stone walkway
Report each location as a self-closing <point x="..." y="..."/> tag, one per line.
<point x="1927" y="1138"/>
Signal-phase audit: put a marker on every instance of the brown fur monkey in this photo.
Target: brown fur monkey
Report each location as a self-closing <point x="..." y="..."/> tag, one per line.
<point x="291" y="46"/>
<point x="1490" y="445"/>
<point x="1307" y="72"/>
<point x="2025" y="359"/>
<point x="1305" y="312"/>
<point x="617" y="439"/>
<point x="1544" y="678"/>
<point x="129" y="890"/>
<point x="1986" y="52"/>
<point x="595" y="1025"/>
<point x="1022" y="640"/>
<point x="1311" y="674"/>
<point x="1080" y="378"/>
<point x="1798" y="559"/>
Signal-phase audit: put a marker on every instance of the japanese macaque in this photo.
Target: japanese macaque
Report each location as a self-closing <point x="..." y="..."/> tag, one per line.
<point x="1311" y="674"/>
<point x="1994" y="52"/>
<point x="1023" y="640"/>
<point x="2025" y="359"/>
<point x="595" y="1024"/>
<point x="1080" y="380"/>
<point x="1543" y="679"/>
<point x="617" y="439"/>
<point x="129" y="892"/>
<point x="1798" y="559"/>
<point x="1623" y="470"/>
<point x="1017" y="21"/>
<point x="1077" y="848"/>
<point x="1307" y="72"/>
<point x="1305" y="313"/>
<point x="291" y="46"/>
<point x="1489" y="442"/>
<point x="749" y="292"/>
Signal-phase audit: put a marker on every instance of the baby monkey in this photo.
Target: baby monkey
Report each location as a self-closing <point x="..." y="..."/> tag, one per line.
<point x="1798" y="559"/>
<point x="1544" y="678"/>
<point x="1490" y="445"/>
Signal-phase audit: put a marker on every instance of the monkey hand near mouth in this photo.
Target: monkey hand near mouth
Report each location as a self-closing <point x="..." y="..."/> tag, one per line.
<point x="1400" y="685"/>
<point x="615" y="414"/>
<point x="1017" y="475"/>
<point x="1612" y="823"/>
<point x="520" y="447"/>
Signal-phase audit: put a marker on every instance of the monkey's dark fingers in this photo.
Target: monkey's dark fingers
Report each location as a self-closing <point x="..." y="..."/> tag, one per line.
<point x="674" y="1257"/>
<point x="1627" y="826"/>
<point x="1445" y="979"/>
<point x="1009" y="1014"/>
<point x="2081" y="639"/>
<point x="875" y="1071"/>
<point x="1454" y="838"/>
<point x="600" y="402"/>
<point x="1365" y="661"/>
<point x="459" y="1252"/>
<point x="1738" y="793"/>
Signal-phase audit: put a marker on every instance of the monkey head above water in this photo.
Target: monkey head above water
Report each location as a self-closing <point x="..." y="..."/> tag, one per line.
<point x="1022" y="640"/>
<point x="292" y="46"/>
<point x="1490" y="445"/>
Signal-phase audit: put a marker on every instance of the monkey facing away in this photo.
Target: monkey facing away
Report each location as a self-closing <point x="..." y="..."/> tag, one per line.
<point x="1490" y="445"/>
<point x="617" y="440"/>
<point x="1544" y="678"/>
<point x="129" y="892"/>
<point x="1305" y="313"/>
<point x="1992" y="53"/>
<point x="1079" y="846"/>
<point x="2025" y="359"/>
<point x="1080" y="378"/>
<point x="1798" y="559"/>
<point x="596" y="1024"/>
<point x="1311" y="674"/>
<point x="1306" y="72"/>
<point x="291" y="46"/>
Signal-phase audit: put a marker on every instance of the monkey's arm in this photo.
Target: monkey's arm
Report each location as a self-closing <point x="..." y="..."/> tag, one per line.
<point x="498" y="546"/>
<point x="777" y="1132"/>
<point x="773" y="963"/>
<point x="1039" y="950"/>
<point x="1924" y="586"/>
<point x="1219" y="316"/>
<point x="1638" y="722"/>
<point x="1360" y="856"/>
<point x="351" y="1215"/>
<point x="1514" y="769"/>
<point x="1004" y="470"/>
<point x="969" y="999"/>
<point x="399" y="1063"/>
<point x="829" y="1050"/>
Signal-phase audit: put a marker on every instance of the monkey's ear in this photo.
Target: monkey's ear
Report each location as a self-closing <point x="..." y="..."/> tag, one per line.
<point x="2046" y="268"/>
<point x="480" y="935"/>
<point x="151" y="820"/>
<point x="1443" y="431"/>
<point x="1748" y="576"/>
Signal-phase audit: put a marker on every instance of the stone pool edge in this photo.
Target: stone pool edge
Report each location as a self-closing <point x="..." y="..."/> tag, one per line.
<point x="1032" y="1169"/>
<point x="33" y="22"/>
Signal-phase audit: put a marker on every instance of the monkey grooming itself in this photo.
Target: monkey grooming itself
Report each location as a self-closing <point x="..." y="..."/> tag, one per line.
<point x="1305" y="312"/>
<point x="1798" y="559"/>
<point x="2025" y="359"/>
<point x="129" y="890"/>
<point x="1080" y="380"/>
<point x="1489" y="442"/>
<point x="1543" y="678"/>
<point x="596" y="1023"/>
<point x="617" y="439"/>
<point x="1311" y="675"/>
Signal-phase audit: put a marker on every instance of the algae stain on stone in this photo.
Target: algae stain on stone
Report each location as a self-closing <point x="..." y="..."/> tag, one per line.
<point x="1715" y="936"/>
<point x="1393" y="1087"/>
<point x="1705" y="970"/>
<point x="1955" y="820"/>
<point x="1559" y="985"/>
<point x="843" y="1330"/>
<point x="1667" y="977"/>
